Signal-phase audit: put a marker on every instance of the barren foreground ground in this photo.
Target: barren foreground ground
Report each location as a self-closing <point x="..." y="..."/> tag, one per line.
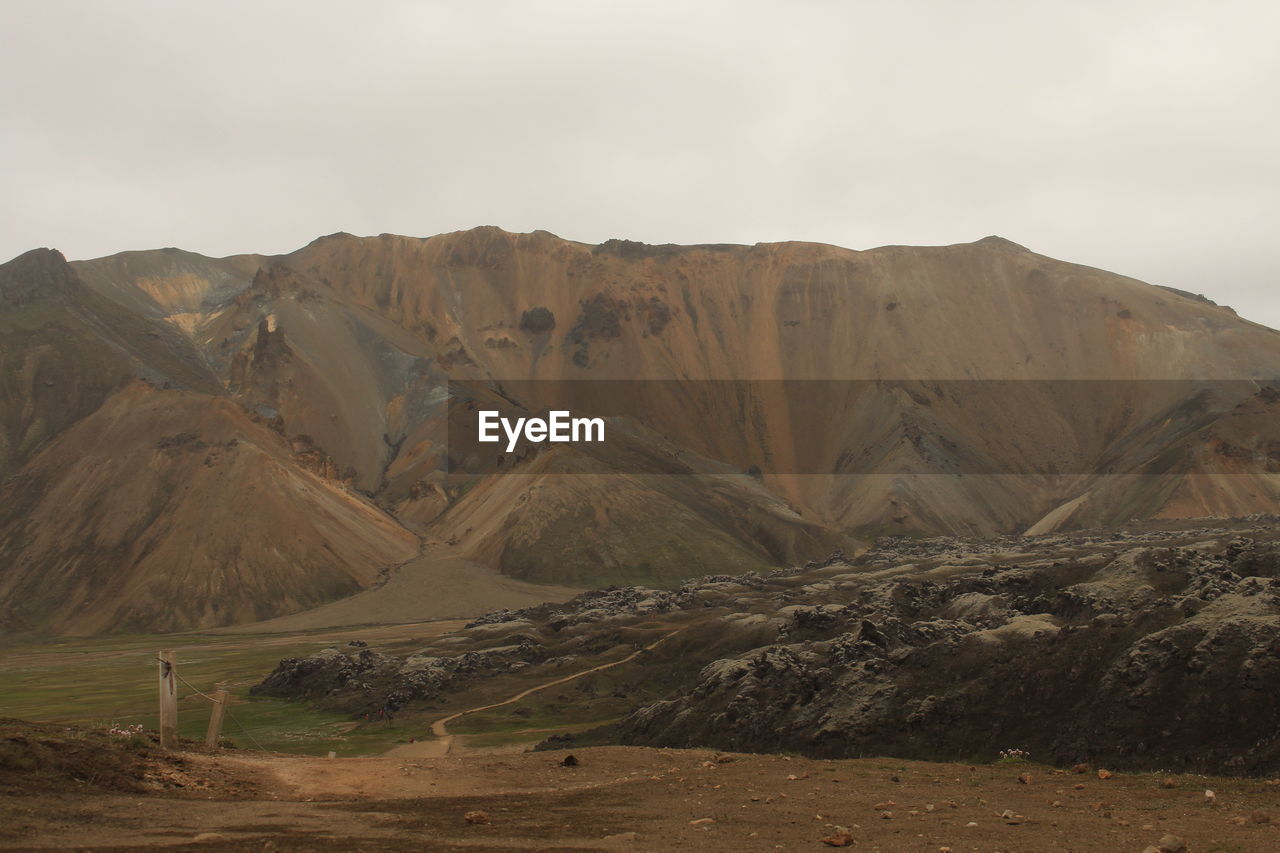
<point x="627" y="798"/>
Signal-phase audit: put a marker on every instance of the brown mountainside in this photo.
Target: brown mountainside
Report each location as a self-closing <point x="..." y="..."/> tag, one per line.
<point x="322" y="376"/>
<point x="172" y="510"/>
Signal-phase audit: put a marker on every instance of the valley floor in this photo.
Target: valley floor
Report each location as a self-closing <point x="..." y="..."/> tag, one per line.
<point x="438" y="584"/>
<point x="629" y="798"/>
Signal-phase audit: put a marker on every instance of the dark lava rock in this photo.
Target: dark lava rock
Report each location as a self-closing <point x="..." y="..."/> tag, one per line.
<point x="369" y="679"/>
<point x="537" y="321"/>
<point x="1152" y="657"/>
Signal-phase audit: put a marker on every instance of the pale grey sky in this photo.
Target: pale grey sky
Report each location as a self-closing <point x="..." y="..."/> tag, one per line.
<point x="1140" y="137"/>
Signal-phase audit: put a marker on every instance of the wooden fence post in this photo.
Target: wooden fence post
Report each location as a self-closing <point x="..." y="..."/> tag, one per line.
<point x="169" y="699"/>
<point x="215" y="718"/>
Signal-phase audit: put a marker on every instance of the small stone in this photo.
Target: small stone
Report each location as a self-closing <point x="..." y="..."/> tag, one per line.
<point x="569" y="761"/>
<point x="840" y="839"/>
<point x="1168" y="782"/>
<point x="702" y="821"/>
<point x="1079" y="786"/>
<point x="1171" y="844"/>
<point x="476" y="817"/>
<point x="887" y="804"/>
<point x="1104" y="774"/>
<point x="886" y="815"/>
<point x="1057" y="804"/>
<point x="970" y="824"/>
<point x="1080" y="768"/>
<point x="209" y="836"/>
<point x="1024" y="778"/>
<point x="1210" y="797"/>
<point x="1238" y="820"/>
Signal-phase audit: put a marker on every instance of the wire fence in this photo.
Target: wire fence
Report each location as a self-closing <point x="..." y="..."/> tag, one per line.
<point x="225" y="706"/>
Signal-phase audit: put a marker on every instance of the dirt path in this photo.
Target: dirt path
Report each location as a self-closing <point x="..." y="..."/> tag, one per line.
<point x="638" y="799"/>
<point x="443" y="742"/>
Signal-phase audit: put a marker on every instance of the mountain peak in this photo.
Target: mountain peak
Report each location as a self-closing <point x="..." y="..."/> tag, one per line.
<point x="995" y="241"/>
<point x="35" y="275"/>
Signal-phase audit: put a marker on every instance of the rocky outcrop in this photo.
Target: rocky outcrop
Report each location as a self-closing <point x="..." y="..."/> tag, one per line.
<point x="621" y="604"/>
<point x="503" y="641"/>
<point x="1146" y="649"/>
<point x="1149" y="650"/>
<point x="36" y="275"/>
<point x="367" y="679"/>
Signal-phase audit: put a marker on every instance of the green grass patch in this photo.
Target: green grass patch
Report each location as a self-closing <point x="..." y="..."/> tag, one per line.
<point x="101" y="681"/>
<point x="584" y="703"/>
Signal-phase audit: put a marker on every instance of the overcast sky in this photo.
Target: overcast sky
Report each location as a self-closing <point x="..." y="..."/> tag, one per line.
<point x="1141" y="137"/>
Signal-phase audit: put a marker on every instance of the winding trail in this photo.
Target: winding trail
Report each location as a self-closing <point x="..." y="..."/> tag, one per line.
<point x="442" y="741"/>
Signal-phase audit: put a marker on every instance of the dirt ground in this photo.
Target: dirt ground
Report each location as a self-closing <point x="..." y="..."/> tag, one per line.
<point x="669" y="799"/>
<point x="438" y="584"/>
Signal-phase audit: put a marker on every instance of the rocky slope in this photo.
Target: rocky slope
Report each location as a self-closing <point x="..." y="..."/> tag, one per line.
<point x="343" y="351"/>
<point x="1147" y="649"/>
<point x="1140" y="653"/>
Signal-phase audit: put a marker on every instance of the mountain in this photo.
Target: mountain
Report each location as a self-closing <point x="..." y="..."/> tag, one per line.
<point x="192" y="442"/>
